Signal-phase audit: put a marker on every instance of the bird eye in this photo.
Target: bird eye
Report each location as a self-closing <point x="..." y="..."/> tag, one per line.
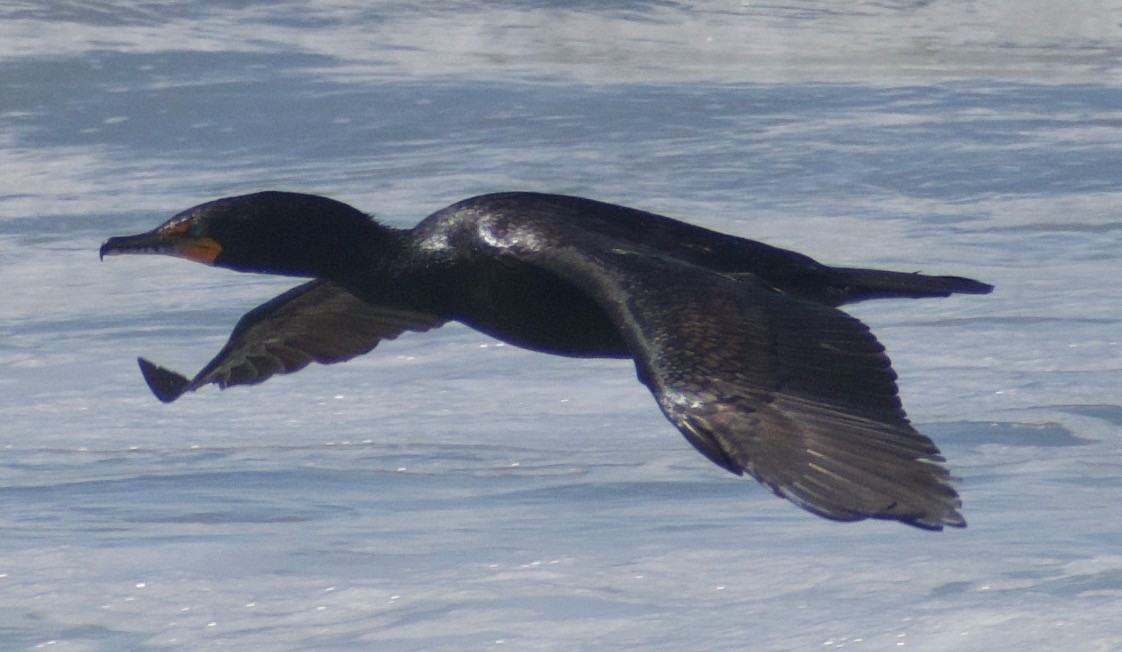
<point x="196" y="229"/>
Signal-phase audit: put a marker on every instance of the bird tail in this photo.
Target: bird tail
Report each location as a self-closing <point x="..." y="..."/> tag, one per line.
<point x="854" y="284"/>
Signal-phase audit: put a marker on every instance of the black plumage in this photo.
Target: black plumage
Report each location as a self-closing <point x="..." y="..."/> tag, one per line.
<point x="741" y="343"/>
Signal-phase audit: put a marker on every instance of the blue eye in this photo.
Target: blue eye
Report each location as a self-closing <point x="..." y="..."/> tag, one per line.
<point x="196" y="229"/>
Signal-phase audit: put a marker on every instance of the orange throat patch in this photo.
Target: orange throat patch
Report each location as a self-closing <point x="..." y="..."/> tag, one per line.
<point x="201" y="250"/>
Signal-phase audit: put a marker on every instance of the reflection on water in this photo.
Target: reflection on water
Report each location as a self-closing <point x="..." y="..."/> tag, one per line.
<point x="445" y="493"/>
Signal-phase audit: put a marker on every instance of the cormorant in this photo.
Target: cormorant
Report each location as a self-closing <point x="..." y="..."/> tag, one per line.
<point x="741" y="343"/>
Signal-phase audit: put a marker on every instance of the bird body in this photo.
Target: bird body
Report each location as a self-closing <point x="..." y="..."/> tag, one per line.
<point x="740" y="343"/>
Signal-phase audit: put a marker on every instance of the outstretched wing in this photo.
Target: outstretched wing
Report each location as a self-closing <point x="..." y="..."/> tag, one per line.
<point x="797" y="394"/>
<point x="315" y="322"/>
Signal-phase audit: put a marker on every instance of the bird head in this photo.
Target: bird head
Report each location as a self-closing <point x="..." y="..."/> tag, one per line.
<point x="268" y="232"/>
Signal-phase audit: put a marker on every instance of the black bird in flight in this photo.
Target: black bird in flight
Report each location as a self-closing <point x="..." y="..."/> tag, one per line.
<point x="741" y="343"/>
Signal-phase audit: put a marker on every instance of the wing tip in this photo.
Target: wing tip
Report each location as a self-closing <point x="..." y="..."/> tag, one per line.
<point x="933" y="522"/>
<point x="166" y="385"/>
<point x="934" y="519"/>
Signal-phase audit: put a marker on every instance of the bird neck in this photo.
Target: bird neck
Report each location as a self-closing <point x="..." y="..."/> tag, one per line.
<point x="396" y="267"/>
<point x="366" y="248"/>
<point x="336" y="250"/>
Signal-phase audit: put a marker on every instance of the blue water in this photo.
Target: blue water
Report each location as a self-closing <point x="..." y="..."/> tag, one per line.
<point x="449" y="492"/>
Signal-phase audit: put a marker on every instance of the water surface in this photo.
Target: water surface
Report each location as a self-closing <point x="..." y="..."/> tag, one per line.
<point x="447" y="492"/>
